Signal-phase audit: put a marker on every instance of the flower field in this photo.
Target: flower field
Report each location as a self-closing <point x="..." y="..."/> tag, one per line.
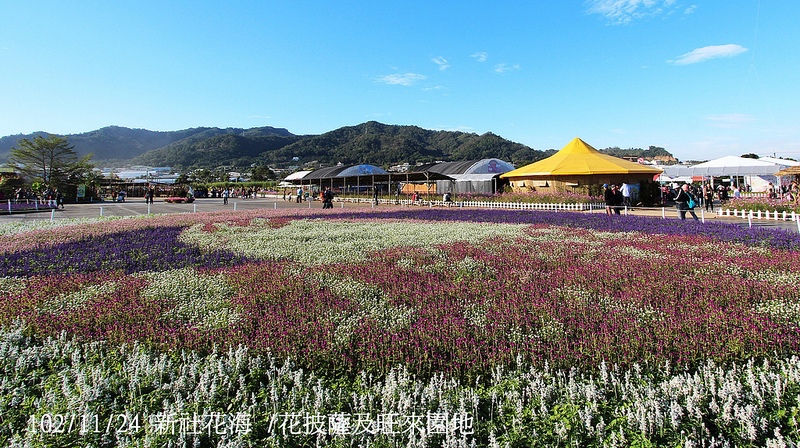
<point x="763" y="204"/>
<point x="424" y="327"/>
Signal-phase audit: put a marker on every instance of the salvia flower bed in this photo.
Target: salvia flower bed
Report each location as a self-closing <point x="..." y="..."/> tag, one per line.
<point x="504" y="312"/>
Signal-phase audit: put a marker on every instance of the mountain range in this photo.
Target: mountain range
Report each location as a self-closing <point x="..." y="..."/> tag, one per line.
<point x="371" y="142"/>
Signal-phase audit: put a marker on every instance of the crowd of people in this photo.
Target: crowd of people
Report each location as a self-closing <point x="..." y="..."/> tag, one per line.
<point x="241" y="192"/>
<point x="787" y="192"/>
<point x="617" y="197"/>
<point x="52" y="197"/>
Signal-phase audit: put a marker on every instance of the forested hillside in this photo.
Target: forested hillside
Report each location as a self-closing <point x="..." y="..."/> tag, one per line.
<point x="371" y="142"/>
<point x="116" y="145"/>
<point x="383" y="145"/>
<point x="229" y="150"/>
<point x="653" y="152"/>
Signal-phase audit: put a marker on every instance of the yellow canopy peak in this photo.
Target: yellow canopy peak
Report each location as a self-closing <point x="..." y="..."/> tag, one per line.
<point x="578" y="146"/>
<point x="581" y="159"/>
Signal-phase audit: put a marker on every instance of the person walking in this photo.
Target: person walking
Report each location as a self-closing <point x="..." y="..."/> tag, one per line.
<point x="685" y="202"/>
<point x="619" y="198"/>
<point x="225" y="195"/>
<point x="708" y="192"/>
<point x="327" y="198"/>
<point x="625" y="189"/>
<point x="608" y="197"/>
<point x="447" y="199"/>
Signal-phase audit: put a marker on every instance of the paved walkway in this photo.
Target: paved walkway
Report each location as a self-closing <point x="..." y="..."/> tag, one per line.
<point x="137" y="206"/>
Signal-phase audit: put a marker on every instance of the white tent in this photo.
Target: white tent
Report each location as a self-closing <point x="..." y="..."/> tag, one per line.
<point x="757" y="173"/>
<point x="734" y="166"/>
<point x="783" y="163"/>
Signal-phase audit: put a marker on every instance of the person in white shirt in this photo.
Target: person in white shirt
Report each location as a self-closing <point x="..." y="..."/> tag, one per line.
<point x="626" y="194"/>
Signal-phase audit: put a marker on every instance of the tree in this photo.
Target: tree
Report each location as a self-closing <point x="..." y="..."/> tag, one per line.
<point x="51" y="160"/>
<point x="261" y="172"/>
<point x="750" y="156"/>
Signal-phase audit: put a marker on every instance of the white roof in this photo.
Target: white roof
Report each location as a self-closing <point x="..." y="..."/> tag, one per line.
<point x="297" y="175"/>
<point x="732" y="161"/>
<point x="724" y="166"/>
<point x="782" y="162"/>
<point x="729" y="166"/>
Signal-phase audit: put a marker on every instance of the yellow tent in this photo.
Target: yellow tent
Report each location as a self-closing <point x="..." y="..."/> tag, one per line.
<point x="578" y="164"/>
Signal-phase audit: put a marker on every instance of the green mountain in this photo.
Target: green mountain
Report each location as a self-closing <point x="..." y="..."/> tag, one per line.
<point x="229" y="150"/>
<point x="118" y="145"/>
<point x="371" y="142"/>
<point x="383" y="145"/>
<point x="653" y="152"/>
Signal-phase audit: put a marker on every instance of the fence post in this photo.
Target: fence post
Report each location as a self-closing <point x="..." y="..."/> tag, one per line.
<point x="52" y="214"/>
<point x="101" y="210"/>
<point x="702" y="216"/>
<point x="194" y="209"/>
<point x="234" y="206"/>
<point x="750" y="219"/>
<point x="9" y="206"/>
<point x="663" y="213"/>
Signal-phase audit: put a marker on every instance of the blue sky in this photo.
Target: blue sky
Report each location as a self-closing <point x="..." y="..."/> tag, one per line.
<point x="701" y="78"/>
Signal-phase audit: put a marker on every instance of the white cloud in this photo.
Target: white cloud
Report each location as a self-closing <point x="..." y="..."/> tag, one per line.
<point x="402" y="79"/>
<point x="625" y="11"/>
<point x="441" y="62"/>
<point x="689" y="10"/>
<point x="502" y="68"/>
<point x="711" y="52"/>
<point x="480" y="56"/>
<point x="466" y="129"/>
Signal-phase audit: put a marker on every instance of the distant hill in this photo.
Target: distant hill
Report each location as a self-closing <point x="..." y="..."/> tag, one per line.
<point x="231" y="150"/>
<point x="112" y="143"/>
<point x="371" y="142"/>
<point x="383" y="145"/>
<point x="651" y="153"/>
<point x="118" y="145"/>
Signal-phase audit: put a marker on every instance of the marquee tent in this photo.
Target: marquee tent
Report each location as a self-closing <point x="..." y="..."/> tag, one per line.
<point x="734" y="166"/>
<point x="757" y="173"/>
<point x="783" y="163"/>
<point x="578" y="164"/>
